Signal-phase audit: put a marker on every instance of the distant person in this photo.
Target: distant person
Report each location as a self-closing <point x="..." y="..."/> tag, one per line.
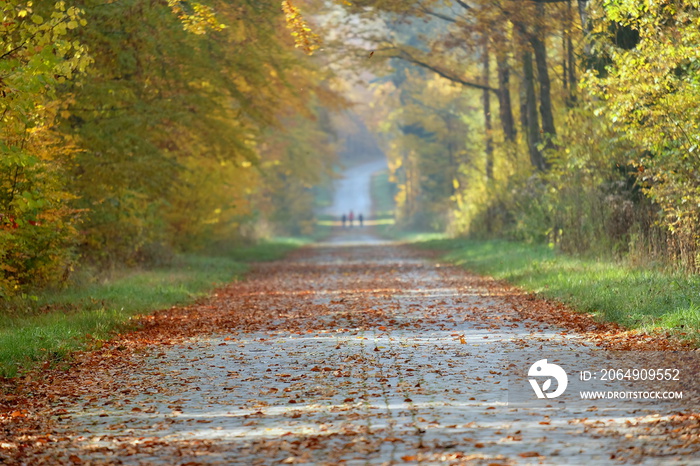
<point x="360" y="219"/>
<point x="344" y="219"/>
<point x="351" y="217"/>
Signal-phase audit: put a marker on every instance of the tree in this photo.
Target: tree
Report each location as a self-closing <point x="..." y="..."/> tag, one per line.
<point x="169" y="99"/>
<point x="37" y="228"/>
<point x="651" y="91"/>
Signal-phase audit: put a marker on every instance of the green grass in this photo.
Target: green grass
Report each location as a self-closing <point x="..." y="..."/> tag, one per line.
<point x="648" y="300"/>
<point x="266" y="251"/>
<point x="53" y="324"/>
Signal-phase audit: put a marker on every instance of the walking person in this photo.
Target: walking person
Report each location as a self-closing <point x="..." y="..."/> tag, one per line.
<point x="351" y="217"/>
<point x="360" y="218"/>
<point x="344" y="219"/>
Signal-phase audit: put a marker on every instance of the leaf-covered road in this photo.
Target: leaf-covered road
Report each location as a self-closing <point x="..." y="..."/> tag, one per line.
<point x="345" y="353"/>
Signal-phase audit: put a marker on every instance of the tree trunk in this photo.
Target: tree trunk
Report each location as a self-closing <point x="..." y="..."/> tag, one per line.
<point x="585" y="26"/>
<point x="505" y="106"/>
<point x="564" y="60"/>
<point x="583" y="14"/>
<point x="486" y="98"/>
<point x="528" y="113"/>
<point x="571" y="68"/>
<point x="539" y="47"/>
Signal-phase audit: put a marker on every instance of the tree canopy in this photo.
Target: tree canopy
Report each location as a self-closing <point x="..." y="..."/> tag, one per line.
<point x="136" y="128"/>
<point x="576" y="121"/>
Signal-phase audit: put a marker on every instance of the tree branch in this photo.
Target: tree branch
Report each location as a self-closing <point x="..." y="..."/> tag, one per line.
<point x="403" y="55"/>
<point x="437" y="15"/>
<point x="464" y="4"/>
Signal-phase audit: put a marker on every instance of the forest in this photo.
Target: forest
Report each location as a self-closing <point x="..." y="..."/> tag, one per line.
<point x="136" y="129"/>
<point x="573" y="124"/>
<point x="181" y="281"/>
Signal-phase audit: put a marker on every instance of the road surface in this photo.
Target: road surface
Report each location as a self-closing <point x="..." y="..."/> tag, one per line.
<point x="352" y="191"/>
<point x="354" y="351"/>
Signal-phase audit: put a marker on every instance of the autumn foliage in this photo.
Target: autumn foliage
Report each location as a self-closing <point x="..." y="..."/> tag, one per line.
<point x="133" y="129"/>
<point x="567" y="122"/>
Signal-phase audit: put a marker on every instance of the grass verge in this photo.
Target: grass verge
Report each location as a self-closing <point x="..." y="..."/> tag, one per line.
<point x="647" y="300"/>
<point x="47" y="328"/>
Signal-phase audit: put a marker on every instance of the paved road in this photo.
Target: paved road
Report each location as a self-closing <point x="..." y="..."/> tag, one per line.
<point x="353" y="190"/>
<point x="351" y="354"/>
<point x="355" y="351"/>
